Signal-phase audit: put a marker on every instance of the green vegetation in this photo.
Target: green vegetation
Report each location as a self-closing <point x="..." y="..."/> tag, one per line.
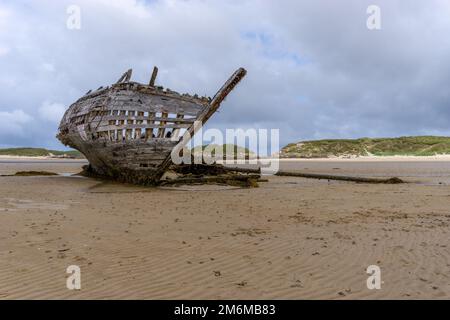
<point x="403" y="146"/>
<point x="237" y="151"/>
<point x="40" y="152"/>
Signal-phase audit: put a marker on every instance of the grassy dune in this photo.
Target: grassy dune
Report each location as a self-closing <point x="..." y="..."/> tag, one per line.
<point x="403" y="146"/>
<point x="236" y="151"/>
<point x="39" y="152"/>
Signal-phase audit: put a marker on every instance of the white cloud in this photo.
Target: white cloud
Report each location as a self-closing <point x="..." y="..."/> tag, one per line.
<point x="4" y="51"/>
<point x="14" y="122"/>
<point x="4" y="15"/>
<point x="47" y="67"/>
<point x="52" y="112"/>
<point x="314" y="70"/>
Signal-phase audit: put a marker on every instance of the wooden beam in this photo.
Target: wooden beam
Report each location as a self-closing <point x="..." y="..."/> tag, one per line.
<point x="153" y="78"/>
<point x="204" y="116"/>
<point x="240" y="180"/>
<point x="126" y="76"/>
<point x="393" y="180"/>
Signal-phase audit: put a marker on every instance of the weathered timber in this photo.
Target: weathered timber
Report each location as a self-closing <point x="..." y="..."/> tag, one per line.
<point x="393" y="180"/>
<point x="125" y="77"/>
<point x="210" y="169"/>
<point x="233" y="180"/>
<point x="243" y="170"/>
<point x="153" y="78"/>
<point x="198" y="169"/>
<point x="237" y="76"/>
<point x="128" y="130"/>
<point x="186" y="175"/>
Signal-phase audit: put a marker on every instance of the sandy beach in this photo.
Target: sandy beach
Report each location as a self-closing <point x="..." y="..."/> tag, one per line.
<point x="291" y="238"/>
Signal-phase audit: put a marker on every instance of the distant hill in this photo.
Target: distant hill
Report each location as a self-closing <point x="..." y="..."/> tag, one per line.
<point x="403" y="146"/>
<point x="237" y="151"/>
<point x="40" y="152"/>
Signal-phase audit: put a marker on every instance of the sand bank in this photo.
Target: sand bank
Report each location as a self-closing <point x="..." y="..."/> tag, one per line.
<point x="291" y="238"/>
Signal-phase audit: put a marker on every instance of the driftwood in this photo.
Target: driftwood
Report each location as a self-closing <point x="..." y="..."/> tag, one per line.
<point x="393" y="180"/>
<point x="213" y="174"/>
<point x="228" y="179"/>
<point x="210" y="169"/>
<point x="198" y="169"/>
<point x="203" y="173"/>
<point x="243" y="170"/>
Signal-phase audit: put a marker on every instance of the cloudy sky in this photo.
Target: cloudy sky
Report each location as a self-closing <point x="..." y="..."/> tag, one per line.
<point x="314" y="68"/>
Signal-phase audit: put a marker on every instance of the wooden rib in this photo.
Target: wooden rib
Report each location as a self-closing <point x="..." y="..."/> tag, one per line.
<point x="176" y="131"/>
<point x="126" y="76"/>
<point x="153" y="78"/>
<point x="149" y="129"/>
<point x="161" y="131"/>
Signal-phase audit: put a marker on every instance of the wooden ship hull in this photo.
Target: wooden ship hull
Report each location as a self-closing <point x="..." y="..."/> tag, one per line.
<point x="127" y="131"/>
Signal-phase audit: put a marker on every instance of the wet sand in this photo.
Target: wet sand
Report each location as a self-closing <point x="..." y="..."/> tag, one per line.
<point x="291" y="238"/>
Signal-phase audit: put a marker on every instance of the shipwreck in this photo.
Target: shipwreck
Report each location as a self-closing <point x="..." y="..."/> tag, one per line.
<point x="128" y="130"/>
